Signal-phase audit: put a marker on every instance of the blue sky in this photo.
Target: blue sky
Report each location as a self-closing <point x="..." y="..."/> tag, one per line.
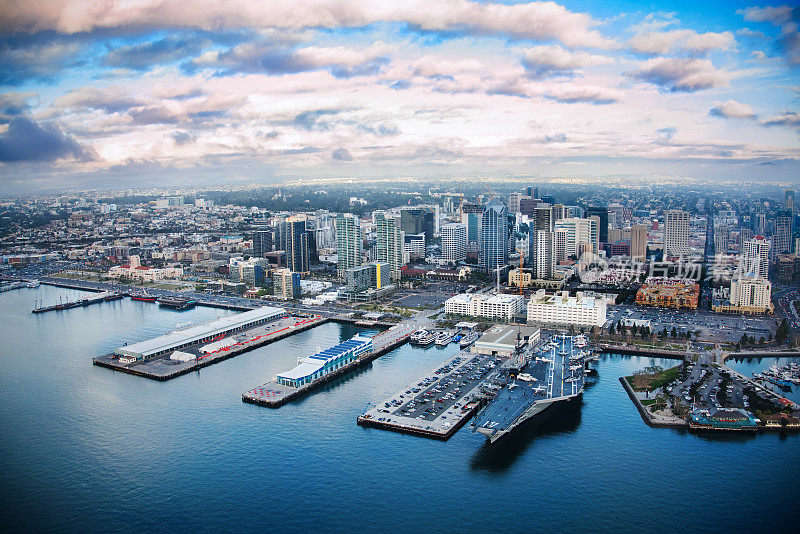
<point x="159" y="92"/>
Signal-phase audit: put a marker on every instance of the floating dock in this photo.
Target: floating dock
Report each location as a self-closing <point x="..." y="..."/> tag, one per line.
<point x="313" y="371"/>
<point x="439" y="403"/>
<point x="101" y="297"/>
<point x="189" y="349"/>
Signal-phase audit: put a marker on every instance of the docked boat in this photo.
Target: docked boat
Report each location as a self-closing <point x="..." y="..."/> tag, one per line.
<point x="444" y="338"/>
<point x="32" y="283"/>
<point x="427" y="339"/>
<point x="144" y="297"/>
<point x="469" y="339"/>
<point x="177" y="303"/>
<point x="416" y="336"/>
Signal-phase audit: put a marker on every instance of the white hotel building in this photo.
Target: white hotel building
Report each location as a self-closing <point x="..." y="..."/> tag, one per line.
<point x="561" y="309"/>
<point x="501" y="307"/>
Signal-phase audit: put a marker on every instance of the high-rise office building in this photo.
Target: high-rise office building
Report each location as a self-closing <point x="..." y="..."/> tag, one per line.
<point x="602" y="214"/>
<point x="676" y="232"/>
<point x="418" y="220"/>
<point x="542" y="218"/>
<point x="493" y="252"/>
<point x="454" y="242"/>
<point x="532" y="191"/>
<point x="542" y="260"/>
<point x="349" y="243"/>
<point x="262" y="243"/>
<point x="513" y="202"/>
<point x="788" y="200"/>
<point x="754" y="260"/>
<point x="577" y="232"/>
<point x="389" y="242"/>
<point x="297" y="252"/>
<point x="782" y="240"/>
<point x="471" y="215"/>
<point x="722" y="236"/>
<point x="560" y="236"/>
<point x="638" y="242"/>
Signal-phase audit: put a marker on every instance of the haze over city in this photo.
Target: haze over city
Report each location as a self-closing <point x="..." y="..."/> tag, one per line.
<point x="108" y="94"/>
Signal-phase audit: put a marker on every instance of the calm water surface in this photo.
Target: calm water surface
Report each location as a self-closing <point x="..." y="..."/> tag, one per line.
<point x="88" y="448"/>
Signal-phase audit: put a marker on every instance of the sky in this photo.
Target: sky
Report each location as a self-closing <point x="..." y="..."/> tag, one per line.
<point x="103" y="93"/>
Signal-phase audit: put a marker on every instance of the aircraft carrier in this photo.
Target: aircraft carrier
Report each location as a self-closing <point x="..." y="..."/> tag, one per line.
<point x="532" y="381"/>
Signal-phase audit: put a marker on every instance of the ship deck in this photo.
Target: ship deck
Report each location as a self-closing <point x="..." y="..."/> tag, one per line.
<point x="554" y="378"/>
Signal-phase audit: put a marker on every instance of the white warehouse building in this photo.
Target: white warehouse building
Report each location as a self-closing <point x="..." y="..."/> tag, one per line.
<point x="561" y="309"/>
<point x="502" y="307"/>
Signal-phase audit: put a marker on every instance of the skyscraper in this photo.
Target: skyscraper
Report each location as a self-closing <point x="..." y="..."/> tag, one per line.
<point x="262" y="243"/>
<point x="297" y="257"/>
<point x="788" y="200"/>
<point x="782" y="240"/>
<point x="578" y="231"/>
<point x="676" y="232"/>
<point x="602" y="214"/>
<point x="349" y="243"/>
<point x="532" y="191"/>
<point x="542" y="259"/>
<point x="389" y="243"/>
<point x="638" y="242"/>
<point x="418" y="220"/>
<point x="471" y="215"/>
<point x="754" y="261"/>
<point x="493" y="252"/>
<point x="722" y="235"/>
<point x="454" y="242"/>
<point x="513" y="202"/>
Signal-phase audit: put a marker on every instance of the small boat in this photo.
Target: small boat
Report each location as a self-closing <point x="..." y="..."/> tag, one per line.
<point x="144" y="297"/>
<point x="416" y="336"/>
<point x="427" y="339"/>
<point x="444" y="338"/>
<point x="469" y="339"/>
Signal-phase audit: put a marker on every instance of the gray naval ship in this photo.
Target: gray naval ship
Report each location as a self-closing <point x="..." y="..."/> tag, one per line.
<point x="532" y="381"/>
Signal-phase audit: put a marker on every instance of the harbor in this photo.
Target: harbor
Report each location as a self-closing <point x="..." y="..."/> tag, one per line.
<point x="191" y="348"/>
<point x="324" y="366"/>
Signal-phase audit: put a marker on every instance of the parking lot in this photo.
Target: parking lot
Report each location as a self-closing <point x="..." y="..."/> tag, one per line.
<point x="712" y="326"/>
<point x="708" y="388"/>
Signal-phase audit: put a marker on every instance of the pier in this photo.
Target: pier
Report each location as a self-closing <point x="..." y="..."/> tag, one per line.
<point x="213" y="348"/>
<point x="101" y="297"/>
<point x="439" y="403"/>
<point x="278" y="391"/>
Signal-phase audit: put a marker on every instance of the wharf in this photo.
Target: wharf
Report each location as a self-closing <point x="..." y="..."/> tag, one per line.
<point x="274" y="395"/>
<point x="101" y="297"/>
<point x="162" y="368"/>
<point x="439" y="403"/>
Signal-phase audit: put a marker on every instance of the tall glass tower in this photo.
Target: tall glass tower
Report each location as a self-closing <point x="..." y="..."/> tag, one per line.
<point x="494" y="236"/>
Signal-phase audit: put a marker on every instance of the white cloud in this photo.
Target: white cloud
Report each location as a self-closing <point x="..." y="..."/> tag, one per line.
<point x="776" y="15"/>
<point x="733" y="110"/>
<point x="534" y="20"/>
<point x="654" y="43"/>
<point x="542" y="61"/>
<point x="681" y="74"/>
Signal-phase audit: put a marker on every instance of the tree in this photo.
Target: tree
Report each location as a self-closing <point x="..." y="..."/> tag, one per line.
<point x="783" y="332"/>
<point x="674" y="333"/>
<point x="743" y="341"/>
<point x="611" y="329"/>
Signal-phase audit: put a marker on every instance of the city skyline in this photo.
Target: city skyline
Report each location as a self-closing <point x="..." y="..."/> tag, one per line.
<point x="99" y="95"/>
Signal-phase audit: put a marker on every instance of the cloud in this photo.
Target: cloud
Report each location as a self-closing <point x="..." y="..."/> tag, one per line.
<point x="144" y="56"/>
<point x="733" y="110"/>
<point x="268" y="57"/>
<point x="584" y="93"/>
<point x="544" y="61"/>
<point x="110" y="99"/>
<point x="656" y="43"/>
<point x="381" y="130"/>
<point x="788" y="19"/>
<point x="786" y="118"/>
<point x="775" y="15"/>
<point x="681" y="74"/>
<point x="311" y="120"/>
<point x="13" y="104"/>
<point x="38" y="58"/>
<point x="341" y="154"/>
<point x="665" y="135"/>
<point x="541" y="21"/>
<point x="25" y="140"/>
<point x="183" y="138"/>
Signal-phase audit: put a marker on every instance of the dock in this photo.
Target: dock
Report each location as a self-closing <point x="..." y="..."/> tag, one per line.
<point x="439" y="403"/>
<point x="95" y="299"/>
<point x="275" y="393"/>
<point x="193" y="358"/>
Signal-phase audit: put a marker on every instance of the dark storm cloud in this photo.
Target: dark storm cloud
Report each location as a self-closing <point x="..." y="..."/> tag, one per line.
<point x="25" y="140"/>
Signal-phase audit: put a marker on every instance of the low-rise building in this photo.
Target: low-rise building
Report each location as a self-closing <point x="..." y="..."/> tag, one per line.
<point x="668" y="293"/>
<point x="561" y="309"/>
<point x="500" y="307"/>
<point x="286" y="284"/>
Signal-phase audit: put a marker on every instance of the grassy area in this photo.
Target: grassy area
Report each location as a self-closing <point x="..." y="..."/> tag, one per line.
<point x="647" y="402"/>
<point x="651" y="382"/>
